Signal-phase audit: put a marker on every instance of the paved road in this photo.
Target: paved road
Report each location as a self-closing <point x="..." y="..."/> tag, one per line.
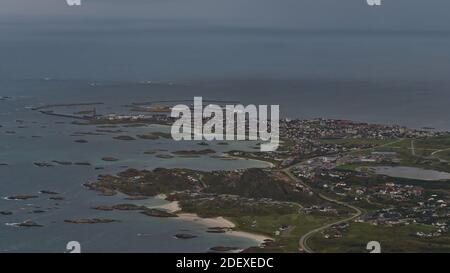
<point x="439" y="151"/>
<point x="303" y="242"/>
<point x="413" y="148"/>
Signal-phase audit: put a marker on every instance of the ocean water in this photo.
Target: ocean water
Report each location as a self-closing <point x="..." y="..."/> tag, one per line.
<point x="314" y="58"/>
<point x="20" y="150"/>
<point x="321" y="58"/>
<point x="412" y="173"/>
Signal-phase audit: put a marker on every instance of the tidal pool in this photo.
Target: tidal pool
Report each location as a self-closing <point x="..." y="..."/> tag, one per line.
<point x="411" y="173"/>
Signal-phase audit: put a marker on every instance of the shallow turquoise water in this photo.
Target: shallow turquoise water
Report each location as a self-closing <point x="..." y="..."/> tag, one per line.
<point x="20" y="150"/>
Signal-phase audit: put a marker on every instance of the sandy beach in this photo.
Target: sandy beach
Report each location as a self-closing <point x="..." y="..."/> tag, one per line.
<point x="269" y="164"/>
<point x="174" y="207"/>
<point x="224" y="223"/>
<point x="171" y="207"/>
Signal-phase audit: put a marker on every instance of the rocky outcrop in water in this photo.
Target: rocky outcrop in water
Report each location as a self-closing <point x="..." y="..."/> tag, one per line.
<point x="91" y="221"/>
<point x="184" y="236"/>
<point x="42" y="164"/>
<point x="158" y="213"/>
<point x="21" y="197"/>
<point x="28" y="223"/>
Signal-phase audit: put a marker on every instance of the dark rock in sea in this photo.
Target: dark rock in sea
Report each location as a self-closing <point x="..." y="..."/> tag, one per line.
<point x="129" y="207"/>
<point x="6" y="213"/>
<point x="99" y="168"/>
<point x="3" y="164"/>
<point x="82" y="163"/>
<point x="81" y="141"/>
<point x="21" y="197"/>
<point x="29" y="223"/>
<point x="103" y="190"/>
<point x="56" y="198"/>
<point x="48" y="192"/>
<point x="38" y="211"/>
<point x="184" y="236"/>
<point x="62" y="162"/>
<point x="107" y="126"/>
<point x="136" y="197"/>
<point x="217" y="230"/>
<point x="164" y="156"/>
<point x="203" y="143"/>
<point x="109" y="158"/>
<point x="158" y="213"/>
<point x="222" y="143"/>
<point x="103" y="208"/>
<point x="91" y="221"/>
<point x="36" y="136"/>
<point x="148" y="136"/>
<point x="224" y="248"/>
<point x="124" y="137"/>
<point x="43" y="164"/>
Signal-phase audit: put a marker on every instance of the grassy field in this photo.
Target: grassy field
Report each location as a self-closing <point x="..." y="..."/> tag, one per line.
<point x="287" y="241"/>
<point x="427" y="153"/>
<point x="392" y="239"/>
<point x="357" y="141"/>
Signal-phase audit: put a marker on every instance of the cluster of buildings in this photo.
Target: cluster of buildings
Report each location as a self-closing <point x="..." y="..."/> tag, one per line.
<point x="335" y="231"/>
<point x="333" y="128"/>
<point x="307" y="137"/>
<point x="324" y="209"/>
<point x="129" y="118"/>
<point x="325" y="165"/>
<point x="403" y="204"/>
<point x="430" y="211"/>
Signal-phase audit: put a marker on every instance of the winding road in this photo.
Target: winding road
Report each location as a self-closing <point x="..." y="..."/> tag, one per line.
<point x="303" y="242"/>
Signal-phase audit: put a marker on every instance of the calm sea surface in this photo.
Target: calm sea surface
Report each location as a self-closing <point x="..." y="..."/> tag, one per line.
<point x="336" y="59"/>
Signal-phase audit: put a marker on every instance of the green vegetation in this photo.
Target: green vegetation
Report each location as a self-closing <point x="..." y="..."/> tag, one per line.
<point x="431" y="153"/>
<point x="392" y="239"/>
<point x="356" y="142"/>
<point x="235" y="207"/>
<point x="268" y="202"/>
<point x="295" y="225"/>
<point x="256" y="200"/>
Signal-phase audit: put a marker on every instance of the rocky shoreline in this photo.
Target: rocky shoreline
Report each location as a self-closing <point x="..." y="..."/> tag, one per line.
<point x="154" y="212"/>
<point x="182" y="188"/>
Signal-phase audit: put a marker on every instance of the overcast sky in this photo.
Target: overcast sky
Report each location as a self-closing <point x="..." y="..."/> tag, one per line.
<point x="423" y="14"/>
<point x="142" y="39"/>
